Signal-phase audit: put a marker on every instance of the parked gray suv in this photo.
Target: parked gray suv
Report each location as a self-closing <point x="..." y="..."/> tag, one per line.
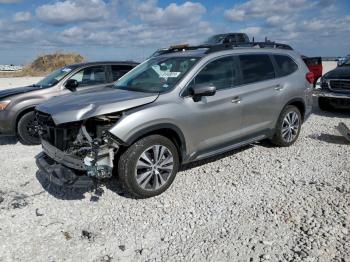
<point x="172" y="109"/>
<point x="17" y="104"/>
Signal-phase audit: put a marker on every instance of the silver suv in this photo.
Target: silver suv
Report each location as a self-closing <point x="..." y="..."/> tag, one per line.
<point x="172" y="109"/>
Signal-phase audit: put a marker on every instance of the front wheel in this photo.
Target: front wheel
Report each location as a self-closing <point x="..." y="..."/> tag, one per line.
<point x="148" y="167"/>
<point x="288" y="127"/>
<point x="26" y="129"/>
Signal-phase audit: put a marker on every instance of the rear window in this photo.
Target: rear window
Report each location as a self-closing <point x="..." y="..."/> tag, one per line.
<point x="285" y="65"/>
<point x="256" y="68"/>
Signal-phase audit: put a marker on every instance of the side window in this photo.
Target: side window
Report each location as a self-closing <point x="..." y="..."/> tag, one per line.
<point x="94" y="75"/>
<point x="256" y="68"/>
<point x="119" y="70"/>
<point x="222" y="73"/>
<point x="285" y="65"/>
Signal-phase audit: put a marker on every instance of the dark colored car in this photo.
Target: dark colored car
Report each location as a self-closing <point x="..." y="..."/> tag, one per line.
<point x="17" y="104"/>
<point x="232" y="38"/>
<point x="335" y="88"/>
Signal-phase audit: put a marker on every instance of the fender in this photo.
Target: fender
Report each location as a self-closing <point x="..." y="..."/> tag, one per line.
<point x="156" y="127"/>
<point x="298" y="100"/>
<point x="23" y="110"/>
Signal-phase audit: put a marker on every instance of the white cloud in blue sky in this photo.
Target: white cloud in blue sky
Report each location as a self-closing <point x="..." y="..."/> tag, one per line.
<point x="133" y="29"/>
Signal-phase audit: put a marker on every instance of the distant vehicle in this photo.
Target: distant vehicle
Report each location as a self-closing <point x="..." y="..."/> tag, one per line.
<point x="335" y="88"/>
<point x="228" y="38"/>
<point x="17" y="104"/>
<point x="188" y="104"/>
<point x="315" y="66"/>
<point x="343" y="59"/>
<point x="10" y="68"/>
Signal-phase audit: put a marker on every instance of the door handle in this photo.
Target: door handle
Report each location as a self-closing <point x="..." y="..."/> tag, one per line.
<point x="279" y="87"/>
<point x="236" y="100"/>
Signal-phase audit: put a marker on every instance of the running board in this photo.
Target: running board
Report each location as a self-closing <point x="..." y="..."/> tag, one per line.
<point x="231" y="147"/>
<point x="344" y="130"/>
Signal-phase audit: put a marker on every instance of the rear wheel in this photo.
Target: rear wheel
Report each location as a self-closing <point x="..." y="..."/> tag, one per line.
<point x="288" y="127"/>
<point x="148" y="167"/>
<point x="324" y="104"/>
<point x="26" y="128"/>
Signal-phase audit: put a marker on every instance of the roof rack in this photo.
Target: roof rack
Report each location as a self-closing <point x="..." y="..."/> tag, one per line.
<point x="221" y="47"/>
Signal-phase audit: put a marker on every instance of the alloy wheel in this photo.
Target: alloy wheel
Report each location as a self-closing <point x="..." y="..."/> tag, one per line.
<point x="154" y="167"/>
<point x="290" y="126"/>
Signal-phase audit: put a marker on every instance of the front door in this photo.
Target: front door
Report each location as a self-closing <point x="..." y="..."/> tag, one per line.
<point x="215" y="120"/>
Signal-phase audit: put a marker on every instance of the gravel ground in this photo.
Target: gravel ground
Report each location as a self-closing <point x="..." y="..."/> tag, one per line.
<point x="259" y="203"/>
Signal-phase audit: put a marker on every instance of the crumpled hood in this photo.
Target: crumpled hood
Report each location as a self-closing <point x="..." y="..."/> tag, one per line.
<point x="342" y="72"/>
<point x="80" y="105"/>
<point x="16" y="91"/>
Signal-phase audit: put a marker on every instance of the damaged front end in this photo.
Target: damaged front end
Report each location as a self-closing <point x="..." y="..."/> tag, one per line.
<point x="75" y="154"/>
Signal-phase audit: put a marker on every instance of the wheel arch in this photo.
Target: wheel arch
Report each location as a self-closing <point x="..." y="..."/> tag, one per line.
<point x="169" y="131"/>
<point x="300" y="104"/>
<point x="21" y="114"/>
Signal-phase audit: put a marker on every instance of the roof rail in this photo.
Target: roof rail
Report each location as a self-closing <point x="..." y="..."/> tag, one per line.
<point x="222" y="47"/>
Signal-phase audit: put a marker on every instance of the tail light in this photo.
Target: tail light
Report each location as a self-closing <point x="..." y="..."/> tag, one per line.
<point x="310" y="77"/>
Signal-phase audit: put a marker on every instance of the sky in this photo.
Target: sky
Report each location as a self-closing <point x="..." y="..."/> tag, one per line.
<point x="134" y="29"/>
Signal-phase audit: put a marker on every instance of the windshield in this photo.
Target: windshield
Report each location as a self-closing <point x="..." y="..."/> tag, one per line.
<point x="216" y="39"/>
<point x="53" y="78"/>
<point x="156" y="75"/>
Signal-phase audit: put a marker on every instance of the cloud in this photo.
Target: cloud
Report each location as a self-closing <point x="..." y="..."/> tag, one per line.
<point x="265" y="9"/>
<point x="252" y="31"/>
<point x="22" y="17"/>
<point x="70" y="11"/>
<point x="9" y="1"/>
<point x="173" y="15"/>
<point x="146" y="25"/>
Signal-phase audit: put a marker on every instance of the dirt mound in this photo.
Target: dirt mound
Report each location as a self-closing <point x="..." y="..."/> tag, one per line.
<point x="47" y="63"/>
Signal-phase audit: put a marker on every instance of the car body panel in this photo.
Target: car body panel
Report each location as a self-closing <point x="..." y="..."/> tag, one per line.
<point x="83" y="105"/>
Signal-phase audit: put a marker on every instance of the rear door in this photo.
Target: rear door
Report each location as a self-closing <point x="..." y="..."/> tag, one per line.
<point x="259" y="93"/>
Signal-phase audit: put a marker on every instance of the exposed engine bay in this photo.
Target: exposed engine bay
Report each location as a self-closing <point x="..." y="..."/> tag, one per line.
<point x="86" y="145"/>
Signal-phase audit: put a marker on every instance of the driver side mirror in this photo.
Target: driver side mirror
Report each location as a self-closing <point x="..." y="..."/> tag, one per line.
<point x="200" y="90"/>
<point x="72" y="85"/>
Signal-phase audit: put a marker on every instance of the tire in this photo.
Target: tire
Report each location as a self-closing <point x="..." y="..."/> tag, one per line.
<point x="283" y="129"/>
<point x="324" y="104"/>
<point x="25" y="130"/>
<point x="139" y="172"/>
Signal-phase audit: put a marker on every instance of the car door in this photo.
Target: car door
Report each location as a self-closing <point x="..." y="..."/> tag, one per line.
<point x="91" y="77"/>
<point x="215" y="120"/>
<point x="258" y="93"/>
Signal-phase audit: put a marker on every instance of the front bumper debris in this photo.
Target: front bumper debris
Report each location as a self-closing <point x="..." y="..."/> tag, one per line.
<point x="61" y="157"/>
<point x="61" y="175"/>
